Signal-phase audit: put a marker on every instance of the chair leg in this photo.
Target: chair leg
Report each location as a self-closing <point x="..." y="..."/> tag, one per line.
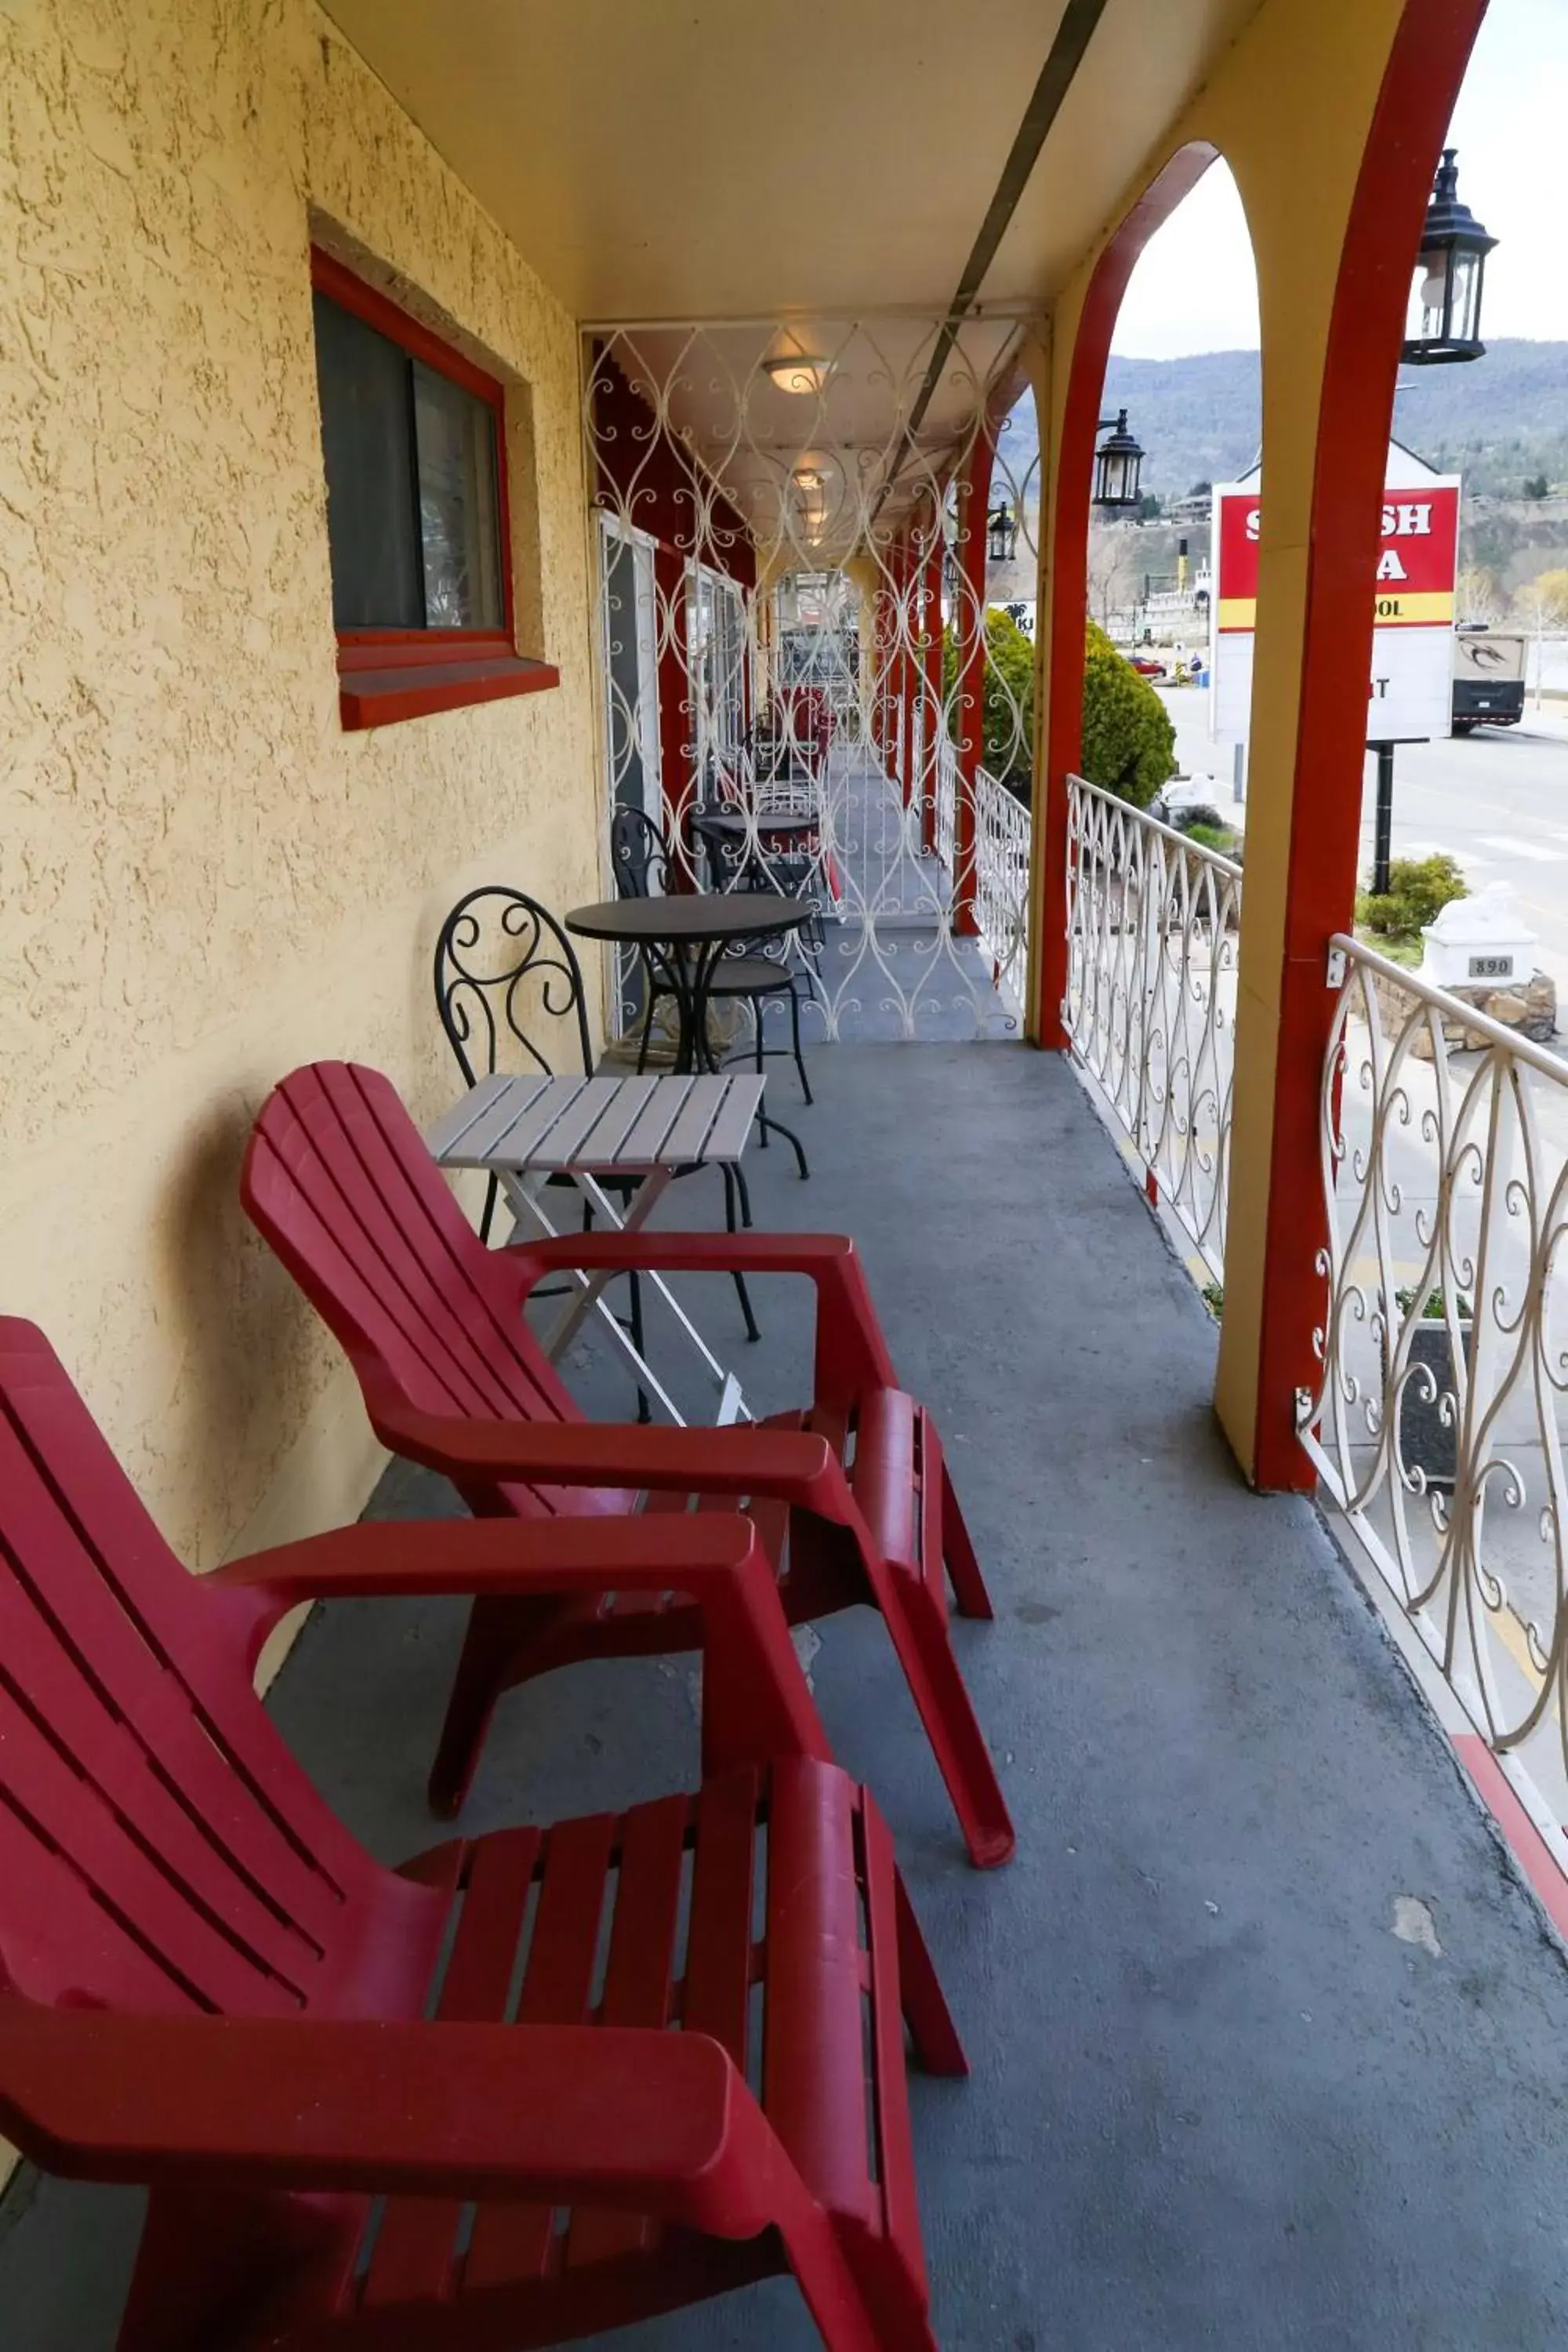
<point x="731" y="1178"/>
<point x="634" y="1284"/>
<point x="757" y="1018"/>
<point x="647" y="1029"/>
<point x="963" y="1568"/>
<point x="492" y="1191"/>
<point x="497" y="1632"/>
<point x="849" y="2318"/>
<point x="795" y="1031"/>
<point x="926" y="2012"/>
<point x="917" y="1630"/>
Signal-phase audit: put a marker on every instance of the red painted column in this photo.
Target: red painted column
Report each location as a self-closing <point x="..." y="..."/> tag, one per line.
<point x="969" y="620"/>
<point x="910" y="629"/>
<point x="675" y="703"/>
<point x="874" y="695"/>
<point x="891" y="675"/>
<point x="901" y="713"/>
<point x="935" y="719"/>
<point x="1426" y="68"/>
<point x="886" y="665"/>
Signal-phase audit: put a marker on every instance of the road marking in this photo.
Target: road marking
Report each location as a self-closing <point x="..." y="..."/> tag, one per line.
<point x="1532" y="849"/>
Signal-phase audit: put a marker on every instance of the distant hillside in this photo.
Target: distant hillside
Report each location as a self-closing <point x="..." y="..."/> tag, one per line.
<point x="1498" y="420"/>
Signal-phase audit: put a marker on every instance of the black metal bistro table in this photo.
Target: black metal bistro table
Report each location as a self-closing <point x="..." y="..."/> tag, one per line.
<point x="682" y="940"/>
<point x="745" y="842"/>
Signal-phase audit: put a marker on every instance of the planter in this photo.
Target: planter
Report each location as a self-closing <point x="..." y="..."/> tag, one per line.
<point x="1530" y="1007"/>
<point x="1425" y="1441"/>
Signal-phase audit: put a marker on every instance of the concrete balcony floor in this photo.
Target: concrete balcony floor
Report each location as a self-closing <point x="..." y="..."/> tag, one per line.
<point x="1217" y="2097"/>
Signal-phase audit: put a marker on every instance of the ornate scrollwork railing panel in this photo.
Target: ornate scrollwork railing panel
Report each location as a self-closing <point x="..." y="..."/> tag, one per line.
<point x="1437" y="1421"/>
<point x="1002" y="834"/>
<point x="1152" y="922"/>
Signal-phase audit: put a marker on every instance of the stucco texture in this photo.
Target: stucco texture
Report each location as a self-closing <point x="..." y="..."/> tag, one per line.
<point x="203" y="879"/>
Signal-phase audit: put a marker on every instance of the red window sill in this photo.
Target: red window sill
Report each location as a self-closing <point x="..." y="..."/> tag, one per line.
<point x="414" y="689"/>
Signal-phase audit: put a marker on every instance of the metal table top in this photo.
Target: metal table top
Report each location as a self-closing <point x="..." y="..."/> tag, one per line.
<point x="692" y="920"/>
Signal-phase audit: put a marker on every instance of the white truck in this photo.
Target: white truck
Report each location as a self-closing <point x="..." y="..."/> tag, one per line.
<point x="1488" y="678"/>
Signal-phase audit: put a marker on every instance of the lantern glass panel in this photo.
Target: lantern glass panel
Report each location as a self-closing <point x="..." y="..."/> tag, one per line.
<point x="1465" y="297"/>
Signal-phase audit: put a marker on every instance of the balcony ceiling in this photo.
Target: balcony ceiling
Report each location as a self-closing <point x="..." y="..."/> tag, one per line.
<point x="722" y="159"/>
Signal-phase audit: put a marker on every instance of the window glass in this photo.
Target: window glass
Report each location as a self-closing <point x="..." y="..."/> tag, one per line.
<point x="455" y="438"/>
<point x="368" y="443"/>
<point x="413" y="511"/>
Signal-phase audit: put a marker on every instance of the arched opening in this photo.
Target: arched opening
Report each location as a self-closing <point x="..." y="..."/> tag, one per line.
<point x="1144" y="822"/>
<point x="1063" y="715"/>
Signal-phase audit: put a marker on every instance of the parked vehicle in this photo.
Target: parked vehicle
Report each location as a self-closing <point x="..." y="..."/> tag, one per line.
<point x="1146" y="666"/>
<point x="1488" y="678"/>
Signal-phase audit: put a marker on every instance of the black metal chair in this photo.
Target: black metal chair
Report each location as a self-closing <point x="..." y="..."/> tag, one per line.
<point x="503" y="967"/>
<point x="641" y="857"/>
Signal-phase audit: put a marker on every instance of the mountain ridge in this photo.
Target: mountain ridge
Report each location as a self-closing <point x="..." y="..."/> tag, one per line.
<point x="1500" y="421"/>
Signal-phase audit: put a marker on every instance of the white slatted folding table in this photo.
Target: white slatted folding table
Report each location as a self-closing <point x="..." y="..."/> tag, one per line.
<point x="523" y="1131"/>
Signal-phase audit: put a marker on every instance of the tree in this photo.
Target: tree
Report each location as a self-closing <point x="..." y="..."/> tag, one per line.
<point x="1478" y="593"/>
<point x="1537" y="486"/>
<point x="1540" y="605"/>
<point x="1200" y="490"/>
<point x="1149" y="509"/>
<point x="1112" y="572"/>
<point x="1548" y="596"/>
<point x="1129" y="743"/>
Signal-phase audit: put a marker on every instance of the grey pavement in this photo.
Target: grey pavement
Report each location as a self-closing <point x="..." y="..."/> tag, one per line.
<point x="1219" y="2097"/>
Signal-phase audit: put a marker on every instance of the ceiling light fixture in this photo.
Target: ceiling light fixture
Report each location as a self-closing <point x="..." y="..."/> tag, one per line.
<point x="802" y="371"/>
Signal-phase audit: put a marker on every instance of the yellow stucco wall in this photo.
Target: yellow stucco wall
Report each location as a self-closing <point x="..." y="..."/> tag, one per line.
<point x="202" y="880"/>
<point x="1290" y="107"/>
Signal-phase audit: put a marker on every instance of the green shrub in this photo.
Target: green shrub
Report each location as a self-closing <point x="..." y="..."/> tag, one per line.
<point x="1129" y="743"/>
<point x="1006" y="696"/>
<point x="1217" y="837"/>
<point x="1418" y="889"/>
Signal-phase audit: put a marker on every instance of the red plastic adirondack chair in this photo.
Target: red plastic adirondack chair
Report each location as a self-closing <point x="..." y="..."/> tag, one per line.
<point x="207" y="1985"/>
<point x="852" y="1496"/>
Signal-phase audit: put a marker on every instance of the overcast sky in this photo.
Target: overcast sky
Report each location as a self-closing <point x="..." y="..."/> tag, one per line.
<point x="1194" y="291"/>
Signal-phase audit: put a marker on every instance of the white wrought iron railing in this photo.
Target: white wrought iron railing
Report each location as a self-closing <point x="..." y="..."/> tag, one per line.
<point x="946" y="798"/>
<point x="1153" y="919"/>
<point x="1437" y="1421"/>
<point x="1002" y="846"/>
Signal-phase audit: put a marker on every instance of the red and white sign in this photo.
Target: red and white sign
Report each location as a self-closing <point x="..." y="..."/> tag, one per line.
<point x="1410" y="691"/>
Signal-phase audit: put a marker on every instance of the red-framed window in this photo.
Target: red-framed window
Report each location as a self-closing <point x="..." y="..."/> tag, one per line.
<point x="414" y="444"/>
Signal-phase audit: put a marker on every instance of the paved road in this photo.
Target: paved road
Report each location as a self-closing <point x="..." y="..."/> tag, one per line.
<point x="1497" y="800"/>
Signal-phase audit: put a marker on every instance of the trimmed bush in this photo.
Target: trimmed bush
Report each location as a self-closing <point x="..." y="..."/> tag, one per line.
<point x="1419" y="890"/>
<point x="1129" y="743"/>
